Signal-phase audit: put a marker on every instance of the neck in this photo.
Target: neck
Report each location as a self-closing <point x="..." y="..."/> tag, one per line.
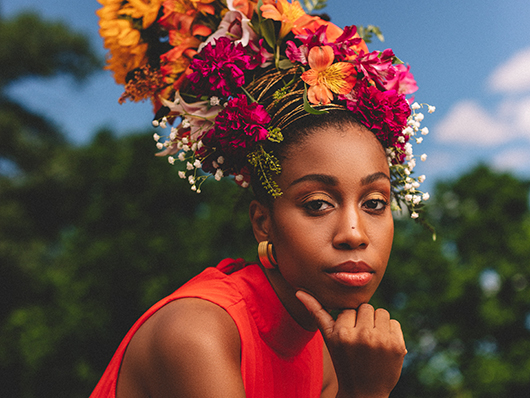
<point x="286" y="294"/>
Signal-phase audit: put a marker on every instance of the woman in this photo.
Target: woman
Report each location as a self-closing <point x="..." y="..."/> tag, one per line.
<point x="325" y="163"/>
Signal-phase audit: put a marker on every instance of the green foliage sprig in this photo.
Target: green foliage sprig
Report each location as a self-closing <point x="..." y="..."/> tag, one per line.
<point x="265" y="163"/>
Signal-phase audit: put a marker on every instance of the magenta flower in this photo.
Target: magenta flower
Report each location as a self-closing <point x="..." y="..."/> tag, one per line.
<point x="377" y="66"/>
<point x="238" y="128"/>
<point x="403" y="81"/>
<point x="385" y="113"/>
<point x="219" y="69"/>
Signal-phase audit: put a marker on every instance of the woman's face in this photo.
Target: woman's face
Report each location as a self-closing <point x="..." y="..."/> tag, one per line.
<point x="332" y="227"/>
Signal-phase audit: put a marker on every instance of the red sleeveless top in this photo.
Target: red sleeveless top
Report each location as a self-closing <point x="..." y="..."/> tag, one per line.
<point x="278" y="357"/>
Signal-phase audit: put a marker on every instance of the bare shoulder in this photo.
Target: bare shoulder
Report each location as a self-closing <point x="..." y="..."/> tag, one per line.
<point x="189" y="348"/>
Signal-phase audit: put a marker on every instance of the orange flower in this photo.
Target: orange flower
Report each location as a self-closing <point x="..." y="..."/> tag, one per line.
<point x="245" y="6"/>
<point x="325" y="77"/>
<point x="291" y="15"/>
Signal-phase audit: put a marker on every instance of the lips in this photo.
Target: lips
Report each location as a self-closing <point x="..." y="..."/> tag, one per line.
<point x="352" y="273"/>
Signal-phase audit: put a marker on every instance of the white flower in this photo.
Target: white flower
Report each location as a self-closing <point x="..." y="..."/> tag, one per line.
<point x="182" y="157"/>
<point x="155" y="123"/>
<point x="172" y="136"/>
<point x="431" y="108"/>
<point x="171" y="160"/>
<point x="214" y="101"/>
<point x="414" y="215"/>
<point x="406" y="171"/>
<point x="185" y="124"/>
<point x="215" y="164"/>
<point x="191" y="180"/>
<point x="423" y="157"/>
<point x="401" y="139"/>
<point x="421" y="178"/>
<point x="197" y="164"/>
<point x="193" y="188"/>
<point x="189" y="166"/>
<point x="424" y="131"/>
<point x="408" y="197"/>
<point x="412" y="164"/>
<point x="407" y="187"/>
<point x="408" y="131"/>
<point x="163" y="124"/>
<point x="417" y="199"/>
<point x="218" y="174"/>
<point x="185" y="140"/>
<point x="415" y="184"/>
<point x="194" y="147"/>
<point x="159" y="145"/>
<point x="426" y="196"/>
<point x="419" y="140"/>
<point x="419" y="117"/>
<point x="244" y="184"/>
<point x="156" y="137"/>
<point x="199" y="145"/>
<point x="239" y="177"/>
<point x="220" y="160"/>
<point x="186" y="148"/>
<point x="182" y="174"/>
<point x="415" y="106"/>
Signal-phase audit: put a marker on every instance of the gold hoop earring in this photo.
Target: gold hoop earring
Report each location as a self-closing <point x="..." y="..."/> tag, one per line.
<point x="266" y="256"/>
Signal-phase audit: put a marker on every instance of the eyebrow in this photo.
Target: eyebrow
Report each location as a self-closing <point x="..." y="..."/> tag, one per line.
<point x="332" y="181"/>
<point x="323" y="178"/>
<point x="374" y="177"/>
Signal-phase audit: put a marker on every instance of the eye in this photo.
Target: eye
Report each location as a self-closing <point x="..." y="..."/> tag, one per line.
<point x="317" y="205"/>
<point x="376" y="204"/>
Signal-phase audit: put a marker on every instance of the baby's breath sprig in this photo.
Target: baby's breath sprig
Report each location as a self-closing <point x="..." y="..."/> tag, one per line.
<point x="406" y="187"/>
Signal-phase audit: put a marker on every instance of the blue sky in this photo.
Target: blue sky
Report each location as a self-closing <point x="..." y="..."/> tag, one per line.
<point x="471" y="60"/>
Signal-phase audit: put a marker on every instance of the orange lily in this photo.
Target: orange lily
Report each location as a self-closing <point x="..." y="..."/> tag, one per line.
<point x="325" y="77"/>
<point x="291" y="15"/>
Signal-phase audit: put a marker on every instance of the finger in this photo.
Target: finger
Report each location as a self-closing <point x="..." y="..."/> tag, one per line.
<point x="365" y="316"/>
<point x="323" y="319"/>
<point x="395" y="329"/>
<point x="382" y="319"/>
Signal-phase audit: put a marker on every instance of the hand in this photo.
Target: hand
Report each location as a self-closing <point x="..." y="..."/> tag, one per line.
<point x="366" y="346"/>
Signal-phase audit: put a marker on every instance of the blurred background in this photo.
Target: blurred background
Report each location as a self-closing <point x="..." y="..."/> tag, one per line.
<point x="94" y="229"/>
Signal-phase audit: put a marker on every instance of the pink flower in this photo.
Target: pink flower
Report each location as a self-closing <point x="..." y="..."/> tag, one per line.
<point x="385" y="113"/>
<point x="238" y="128"/>
<point x="376" y="66"/>
<point x="403" y="81"/>
<point x="236" y="26"/>
<point x="201" y="115"/>
<point x="219" y="69"/>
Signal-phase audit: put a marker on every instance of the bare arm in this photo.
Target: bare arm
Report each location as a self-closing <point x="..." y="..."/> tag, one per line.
<point x="189" y="348"/>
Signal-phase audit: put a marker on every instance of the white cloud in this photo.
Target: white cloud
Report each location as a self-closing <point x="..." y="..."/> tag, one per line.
<point x="513" y="159"/>
<point x="522" y="114"/>
<point x="514" y="75"/>
<point x="468" y="123"/>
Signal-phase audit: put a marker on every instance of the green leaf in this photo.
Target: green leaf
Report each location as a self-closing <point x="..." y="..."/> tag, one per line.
<point x="285" y="64"/>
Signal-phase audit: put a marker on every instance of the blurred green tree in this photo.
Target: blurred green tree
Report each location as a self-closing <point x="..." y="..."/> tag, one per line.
<point x="464" y="300"/>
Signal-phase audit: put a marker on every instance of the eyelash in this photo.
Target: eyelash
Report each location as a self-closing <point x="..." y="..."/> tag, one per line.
<point x="380" y="205"/>
<point x="382" y="202"/>
<point x="309" y="205"/>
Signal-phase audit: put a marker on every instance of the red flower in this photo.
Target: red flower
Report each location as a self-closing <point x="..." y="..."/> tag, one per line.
<point x="385" y="113"/>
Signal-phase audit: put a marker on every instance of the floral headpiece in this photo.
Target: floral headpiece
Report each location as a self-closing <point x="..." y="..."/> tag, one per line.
<point x="224" y="73"/>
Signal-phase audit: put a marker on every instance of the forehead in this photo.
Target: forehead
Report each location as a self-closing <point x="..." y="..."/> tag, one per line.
<point x="347" y="150"/>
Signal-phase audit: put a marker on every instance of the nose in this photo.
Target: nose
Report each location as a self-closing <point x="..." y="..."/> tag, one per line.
<point x="350" y="232"/>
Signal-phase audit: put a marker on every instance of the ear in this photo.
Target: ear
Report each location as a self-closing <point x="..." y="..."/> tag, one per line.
<point x="260" y="217"/>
